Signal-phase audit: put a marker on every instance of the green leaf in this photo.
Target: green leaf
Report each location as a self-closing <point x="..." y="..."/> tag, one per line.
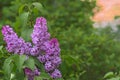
<point x="109" y="74"/>
<point x="19" y="75"/>
<point x="60" y="79"/>
<point x="1" y="52"/>
<point x="26" y="34"/>
<point x="12" y="62"/>
<point x="19" y="61"/>
<point x="7" y="67"/>
<point x="22" y="59"/>
<point x="30" y="63"/>
<point x="70" y="59"/>
<point x="43" y="76"/>
<point x="1" y="47"/>
<point x="117" y="78"/>
<point x="38" y="64"/>
<point x="38" y="5"/>
<point x="24" y="19"/>
<point x="21" y="9"/>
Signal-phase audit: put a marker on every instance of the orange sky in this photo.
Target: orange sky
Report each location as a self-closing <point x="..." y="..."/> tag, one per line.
<point x="106" y="10"/>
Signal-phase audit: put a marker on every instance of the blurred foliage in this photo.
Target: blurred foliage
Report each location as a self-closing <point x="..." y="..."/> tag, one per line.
<point x="86" y="53"/>
<point x="112" y="76"/>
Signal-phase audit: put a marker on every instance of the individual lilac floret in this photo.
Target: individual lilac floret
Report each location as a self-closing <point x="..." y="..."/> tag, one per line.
<point x="28" y="72"/>
<point x="52" y="62"/>
<point x="42" y="58"/>
<point x="56" y="61"/>
<point x="15" y="44"/>
<point x="27" y="48"/>
<point x="35" y="50"/>
<point x="31" y="74"/>
<point x="56" y="74"/>
<point x="36" y="72"/>
<point x="49" y="66"/>
<point x="40" y="34"/>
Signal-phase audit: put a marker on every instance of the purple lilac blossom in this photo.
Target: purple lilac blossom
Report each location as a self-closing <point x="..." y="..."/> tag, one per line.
<point x="53" y="47"/>
<point x="40" y="34"/>
<point x="49" y="51"/>
<point x="15" y="44"/>
<point x="52" y="57"/>
<point x="42" y="58"/>
<point x="36" y="72"/>
<point x="28" y="72"/>
<point x="35" y="50"/>
<point x="31" y="74"/>
<point x="56" y="61"/>
<point x="49" y="66"/>
<point x="56" y="74"/>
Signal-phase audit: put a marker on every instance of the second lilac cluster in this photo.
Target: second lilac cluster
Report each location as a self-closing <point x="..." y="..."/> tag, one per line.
<point x="46" y="50"/>
<point x="51" y="59"/>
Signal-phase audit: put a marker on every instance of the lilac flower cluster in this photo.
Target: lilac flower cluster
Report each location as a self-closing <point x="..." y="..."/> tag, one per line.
<point x="39" y="36"/>
<point x="15" y="44"/>
<point x="51" y="59"/>
<point x="46" y="50"/>
<point x="18" y="46"/>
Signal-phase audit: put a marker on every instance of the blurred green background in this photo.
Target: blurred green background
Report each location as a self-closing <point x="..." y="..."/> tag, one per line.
<point x="87" y="53"/>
